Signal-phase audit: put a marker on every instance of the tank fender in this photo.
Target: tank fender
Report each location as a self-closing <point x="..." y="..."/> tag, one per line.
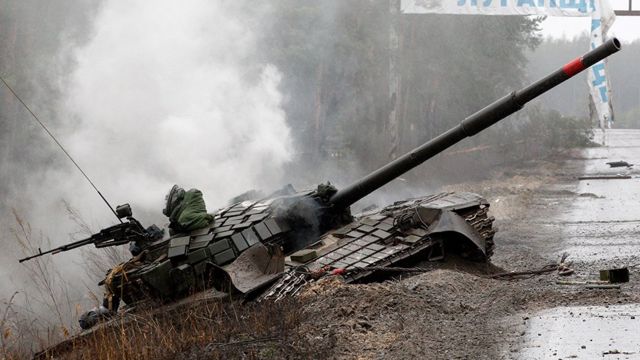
<point x="449" y="221"/>
<point x="255" y="268"/>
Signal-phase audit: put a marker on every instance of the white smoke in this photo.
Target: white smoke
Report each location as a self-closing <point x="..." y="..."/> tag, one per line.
<point x="163" y="92"/>
<point x="170" y="92"/>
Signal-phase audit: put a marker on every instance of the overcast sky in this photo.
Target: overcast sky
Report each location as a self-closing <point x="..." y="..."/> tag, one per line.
<point x="625" y="28"/>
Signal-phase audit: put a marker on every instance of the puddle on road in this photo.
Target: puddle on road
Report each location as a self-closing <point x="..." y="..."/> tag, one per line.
<point x="588" y="332"/>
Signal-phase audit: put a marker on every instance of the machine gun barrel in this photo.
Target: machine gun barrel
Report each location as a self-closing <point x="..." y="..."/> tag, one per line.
<point x="470" y="126"/>
<point x="73" y="245"/>
<point x="118" y="234"/>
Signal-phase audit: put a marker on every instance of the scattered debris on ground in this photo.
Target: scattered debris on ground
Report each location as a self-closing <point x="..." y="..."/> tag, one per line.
<point x="614" y="276"/>
<point x="562" y="267"/>
<point x="615" y="164"/>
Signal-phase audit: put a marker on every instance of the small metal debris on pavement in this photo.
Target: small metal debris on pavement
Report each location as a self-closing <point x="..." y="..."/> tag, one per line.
<point x="564" y="270"/>
<point x="615" y="164"/>
<point x="609" y="279"/>
<point x="617" y="352"/>
<point x="604" y="177"/>
<point x="615" y="276"/>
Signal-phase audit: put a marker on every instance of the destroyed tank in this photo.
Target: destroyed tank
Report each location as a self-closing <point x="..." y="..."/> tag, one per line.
<point x="272" y="247"/>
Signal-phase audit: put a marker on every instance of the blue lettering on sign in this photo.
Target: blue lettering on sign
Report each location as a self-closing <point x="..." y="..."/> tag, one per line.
<point x="603" y="94"/>
<point x="599" y="80"/>
<point x="581" y="5"/>
<point x="595" y="24"/>
<point x="598" y="73"/>
<point x="527" y="2"/>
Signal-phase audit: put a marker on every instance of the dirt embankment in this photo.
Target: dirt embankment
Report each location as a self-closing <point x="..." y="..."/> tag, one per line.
<point x="442" y="314"/>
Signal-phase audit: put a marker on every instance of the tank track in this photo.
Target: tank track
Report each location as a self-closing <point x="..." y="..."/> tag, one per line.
<point x="479" y="218"/>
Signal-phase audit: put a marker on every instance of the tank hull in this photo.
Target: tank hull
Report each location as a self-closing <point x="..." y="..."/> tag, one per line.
<point x="242" y="251"/>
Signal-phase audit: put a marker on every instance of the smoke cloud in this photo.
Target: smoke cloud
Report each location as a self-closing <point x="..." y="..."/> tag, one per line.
<point x="169" y="92"/>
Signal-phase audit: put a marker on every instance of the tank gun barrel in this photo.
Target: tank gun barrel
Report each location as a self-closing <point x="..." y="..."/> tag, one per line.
<point x="470" y="126"/>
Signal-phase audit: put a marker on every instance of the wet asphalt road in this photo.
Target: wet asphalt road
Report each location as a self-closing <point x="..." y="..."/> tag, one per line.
<point x="605" y="227"/>
<point x="599" y="226"/>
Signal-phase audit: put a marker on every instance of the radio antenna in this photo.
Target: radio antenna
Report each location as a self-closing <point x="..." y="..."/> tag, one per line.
<point x="61" y="147"/>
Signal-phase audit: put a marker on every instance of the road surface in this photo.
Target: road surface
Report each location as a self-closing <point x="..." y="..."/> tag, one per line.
<point x="597" y="222"/>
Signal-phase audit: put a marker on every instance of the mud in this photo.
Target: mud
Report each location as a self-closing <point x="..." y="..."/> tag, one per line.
<point x="456" y="311"/>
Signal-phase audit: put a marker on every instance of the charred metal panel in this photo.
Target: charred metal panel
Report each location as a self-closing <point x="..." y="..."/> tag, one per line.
<point x="182" y="278"/>
<point x="200" y="241"/>
<point x="219" y="246"/>
<point x="250" y="237"/>
<point x="178" y="247"/>
<point x="262" y="231"/>
<point x="239" y="242"/>
<point x="224" y="257"/>
<point x="197" y="256"/>
<point x="157" y="276"/>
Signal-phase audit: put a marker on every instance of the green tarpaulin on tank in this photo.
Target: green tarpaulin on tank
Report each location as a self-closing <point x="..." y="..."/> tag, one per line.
<point x="190" y="213"/>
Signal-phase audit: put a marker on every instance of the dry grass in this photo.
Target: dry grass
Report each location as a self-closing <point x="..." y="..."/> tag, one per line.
<point x="44" y="311"/>
<point x="222" y="329"/>
<point x="40" y="316"/>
